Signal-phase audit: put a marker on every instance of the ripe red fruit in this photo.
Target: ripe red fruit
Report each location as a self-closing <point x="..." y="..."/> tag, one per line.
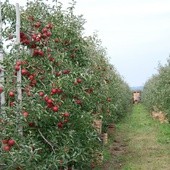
<point x="25" y="41"/>
<point x="72" y="55"/>
<point x="49" y="101"/>
<point x="11" y="94"/>
<point x="66" y="114"/>
<point x="35" y="52"/>
<point x="38" y="39"/>
<point x="79" y="102"/>
<point x="49" y="33"/>
<point x="22" y="35"/>
<point x="79" y="80"/>
<point x="17" y="68"/>
<point x="34" y="36"/>
<point x="109" y="99"/>
<point x="66" y="71"/>
<point x="6" y="148"/>
<point x="12" y="104"/>
<point x="55" y="109"/>
<point x="24" y="72"/>
<point x="58" y="74"/>
<point x="51" y="59"/>
<point x="11" y="142"/>
<point x="44" y="35"/>
<point x="57" y="40"/>
<point x="60" y="125"/>
<point x="59" y="91"/>
<point x="31" y="77"/>
<point x="1" y="90"/>
<point x="49" y="26"/>
<point x="33" y="82"/>
<point x="37" y="25"/>
<point x="31" y="124"/>
<point x="25" y="114"/>
<point x="46" y="98"/>
<point x="66" y="121"/>
<point x="44" y="30"/>
<point x="33" y="46"/>
<point x="41" y="53"/>
<point x="18" y="63"/>
<point x="53" y="91"/>
<point x="5" y="141"/>
<point x="50" y="105"/>
<point x="41" y="93"/>
<point x="31" y="18"/>
<point x="89" y="91"/>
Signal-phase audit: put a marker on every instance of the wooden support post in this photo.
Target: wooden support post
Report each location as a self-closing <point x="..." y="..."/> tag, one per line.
<point x="2" y="95"/>
<point x="19" y="90"/>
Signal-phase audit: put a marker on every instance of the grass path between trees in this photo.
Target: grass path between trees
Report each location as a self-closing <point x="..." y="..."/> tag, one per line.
<point x="140" y="143"/>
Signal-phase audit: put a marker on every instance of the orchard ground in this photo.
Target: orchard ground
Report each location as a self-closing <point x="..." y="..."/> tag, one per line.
<point x="139" y="143"/>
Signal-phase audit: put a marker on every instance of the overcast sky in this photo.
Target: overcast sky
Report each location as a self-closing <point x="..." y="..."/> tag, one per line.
<point x="136" y="33"/>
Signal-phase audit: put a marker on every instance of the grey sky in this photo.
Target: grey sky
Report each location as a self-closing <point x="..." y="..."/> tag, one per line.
<point x="135" y="33"/>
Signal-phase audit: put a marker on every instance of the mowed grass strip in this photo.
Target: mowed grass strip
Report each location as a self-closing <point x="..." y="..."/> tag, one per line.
<point x="148" y="141"/>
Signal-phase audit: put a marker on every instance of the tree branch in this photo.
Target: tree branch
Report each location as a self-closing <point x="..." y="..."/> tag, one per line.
<point x="46" y="140"/>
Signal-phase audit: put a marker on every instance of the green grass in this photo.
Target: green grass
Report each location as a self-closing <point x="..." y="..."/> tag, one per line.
<point x="164" y="134"/>
<point x="148" y="142"/>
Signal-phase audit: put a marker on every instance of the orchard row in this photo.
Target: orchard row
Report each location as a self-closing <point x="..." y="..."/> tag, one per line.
<point x="156" y="93"/>
<point x="67" y="84"/>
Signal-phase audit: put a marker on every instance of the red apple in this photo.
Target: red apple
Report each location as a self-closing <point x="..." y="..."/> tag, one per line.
<point x="49" y="101"/>
<point x="57" y="40"/>
<point x="17" y="68"/>
<point x="41" y="93"/>
<point x="6" y="148"/>
<point x="31" y="77"/>
<point x="44" y="30"/>
<point x="41" y="53"/>
<point x="46" y="98"/>
<point x="66" y="114"/>
<point x="5" y="141"/>
<point x="11" y="94"/>
<point x="49" y="33"/>
<point x="109" y="99"/>
<point x="79" y="102"/>
<point x="18" y="63"/>
<point x="12" y="104"/>
<point x="31" y="124"/>
<point x="25" y="114"/>
<point x="34" y="36"/>
<point x="11" y="142"/>
<point x="53" y="91"/>
<point x="59" y="91"/>
<point x="31" y="18"/>
<point x="66" y="71"/>
<point x="1" y="90"/>
<point x="49" y="26"/>
<point x="60" y="125"/>
<point x="79" y="80"/>
<point x="58" y="74"/>
<point x="24" y="71"/>
<point x="37" y="25"/>
<point x="55" y="109"/>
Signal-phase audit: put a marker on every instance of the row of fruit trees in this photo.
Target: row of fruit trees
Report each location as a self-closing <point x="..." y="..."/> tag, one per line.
<point x="156" y="93"/>
<point x="55" y="83"/>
